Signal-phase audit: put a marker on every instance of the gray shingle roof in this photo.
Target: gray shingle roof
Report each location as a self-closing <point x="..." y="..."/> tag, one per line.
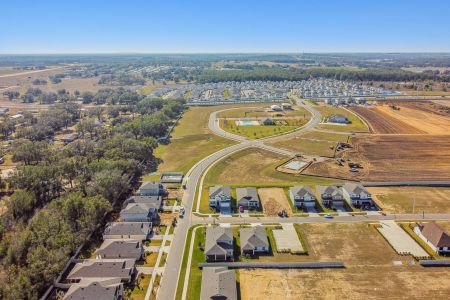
<point x="218" y="283"/>
<point x="120" y="249"/>
<point x="301" y="190"/>
<point x="253" y="237"/>
<point x="355" y="188"/>
<point x="249" y="193"/>
<point x="128" y="228"/>
<point x="151" y="201"/>
<point x="98" y="290"/>
<point x="137" y="208"/>
<point x="215" y="190"/>
<point x="103" y="268"/>
<point x="214" y="236"/>
<point x="330" y="189"/>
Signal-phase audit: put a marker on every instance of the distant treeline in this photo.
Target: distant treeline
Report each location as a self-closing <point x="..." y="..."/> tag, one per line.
<point x="281" y="74"/>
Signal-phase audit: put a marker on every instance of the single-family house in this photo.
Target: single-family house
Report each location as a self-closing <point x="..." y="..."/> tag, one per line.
<point x="128" y="249"/>
<point x="339" y="119"/>
<point x="138" y="212"/>
<point x="268" y="121"/>
<point x="219" y="243"/>
<point x="330" y="195"/>
<point x="108" y="289"/>
<point x="435" y="236"/>
<point x="151" y="189"/>
<point x="220" y="198"/>
<point x="218" y="283"/>
<point x="357" y="194"/>
<point x="151" y="201"/>
<point x="276" y="108"/>
<point x="247" y="197"/>
<point x="302" y="196"/>
<point x="254" y="240"/>
<point x="129" y="230"/>
<point x="100" y="269"/>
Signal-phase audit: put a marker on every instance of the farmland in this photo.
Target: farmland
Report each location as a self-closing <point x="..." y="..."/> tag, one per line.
<point x="381" y="122"/>
<point x="392" y="158"/>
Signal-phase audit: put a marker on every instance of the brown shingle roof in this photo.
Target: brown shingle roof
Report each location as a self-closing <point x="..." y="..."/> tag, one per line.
<point x="435" y="234"/>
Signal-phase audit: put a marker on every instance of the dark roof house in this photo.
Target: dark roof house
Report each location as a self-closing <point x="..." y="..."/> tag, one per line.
<point x="219" y="243"/>
<point x="254" y="239"/>
<point x="218" y="284"/>
<point x="128" y="230"/>
<point x="130" y="249"/>
<point x="103" y="269"/>
<point x="109" y="289"/>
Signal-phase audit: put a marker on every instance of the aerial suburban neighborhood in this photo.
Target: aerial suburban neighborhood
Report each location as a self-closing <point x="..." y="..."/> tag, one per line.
<point x="224" y="150"/>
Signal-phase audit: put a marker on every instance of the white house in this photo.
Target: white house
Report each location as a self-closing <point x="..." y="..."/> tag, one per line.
<point x="220" y="198"/>
<point x="247" y="197"/>
<point x="357" y="194"/>
<point x="434" y="236"/>
<point x="302" y="196"/>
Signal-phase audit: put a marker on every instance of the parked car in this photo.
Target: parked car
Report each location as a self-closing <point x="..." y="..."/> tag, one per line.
<point x="328" y="216"/>
<point x="182" y="212"/>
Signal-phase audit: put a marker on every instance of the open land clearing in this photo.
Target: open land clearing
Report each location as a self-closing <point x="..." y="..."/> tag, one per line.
<point x="383" y="123"/>
<point x="371" y="282"/>
<point x="312" y="143"/>
<point x="392" y="158"/>
<point x="274" y="200"/>
<point x="260" y="110"/>
<point x="255" y="167"/>
<point x="424" y="120"/>
<point x="356" y="125"/>
<point x="401" y="199"/>
<point x="260" y="131"/>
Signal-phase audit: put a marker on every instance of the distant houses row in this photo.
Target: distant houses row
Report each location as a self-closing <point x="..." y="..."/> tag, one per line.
<point x="115" y="259"/>
<point x="301" y="197"/>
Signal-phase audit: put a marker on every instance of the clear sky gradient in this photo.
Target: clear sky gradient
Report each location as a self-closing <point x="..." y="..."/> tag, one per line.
<point x="100" y="26"/>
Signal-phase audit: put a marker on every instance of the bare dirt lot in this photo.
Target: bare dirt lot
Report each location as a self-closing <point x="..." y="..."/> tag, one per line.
<point x="419" y="117"/>
<point x="274" y="200"/>
<point x="401" y="199"/>
<point x="392" y="158"/>
<point x="355" y="244"/>
<point x="380" y="122"/>
<point x="404" y="282"/>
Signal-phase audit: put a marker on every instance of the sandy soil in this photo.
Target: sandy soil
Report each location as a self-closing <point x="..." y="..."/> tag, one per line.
<point x="274" y="200"/>
<point x="401" y="199"/>
<point x="380" y="122"/>
<point x="393" y="158"/>
<point x="404" y="282"/>
<point x="421" y="119"/>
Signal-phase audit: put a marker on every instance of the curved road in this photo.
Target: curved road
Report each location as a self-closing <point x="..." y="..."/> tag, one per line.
<point x="171" y="273"/>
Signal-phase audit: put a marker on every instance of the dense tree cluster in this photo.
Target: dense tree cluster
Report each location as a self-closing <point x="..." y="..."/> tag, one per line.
<point x="281" y="74"/>
<point x="61" y="195"/>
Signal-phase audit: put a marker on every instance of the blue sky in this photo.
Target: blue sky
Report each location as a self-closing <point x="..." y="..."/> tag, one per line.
<point x="98" y="26"/>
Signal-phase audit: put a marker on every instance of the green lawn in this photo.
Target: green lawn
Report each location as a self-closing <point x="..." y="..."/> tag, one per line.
<point x="256" y="167"/>
<point x="163" y="260"/>
<point x="258" y="110"/>
<point x="312" y="143"/>
<point x="191" y="141"/>
<point x="357" y="125"/>
<point x="139" y="290"/>
<point x="195" y="275"/>
<point x="257" y="131"/>
<point x="150" y="259"/>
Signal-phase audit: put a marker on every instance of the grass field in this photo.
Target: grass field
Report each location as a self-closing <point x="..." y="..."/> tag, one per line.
<point x="256" y="167"/>
<point x="139" y="291"/>
<point x="190" y="142"/>
<point x="257" y="131"/>
<point x="401" y="199"/>
<point x="312" y="143"/>
<point x="357" y="125"/>
<point x="259" y="110"/>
